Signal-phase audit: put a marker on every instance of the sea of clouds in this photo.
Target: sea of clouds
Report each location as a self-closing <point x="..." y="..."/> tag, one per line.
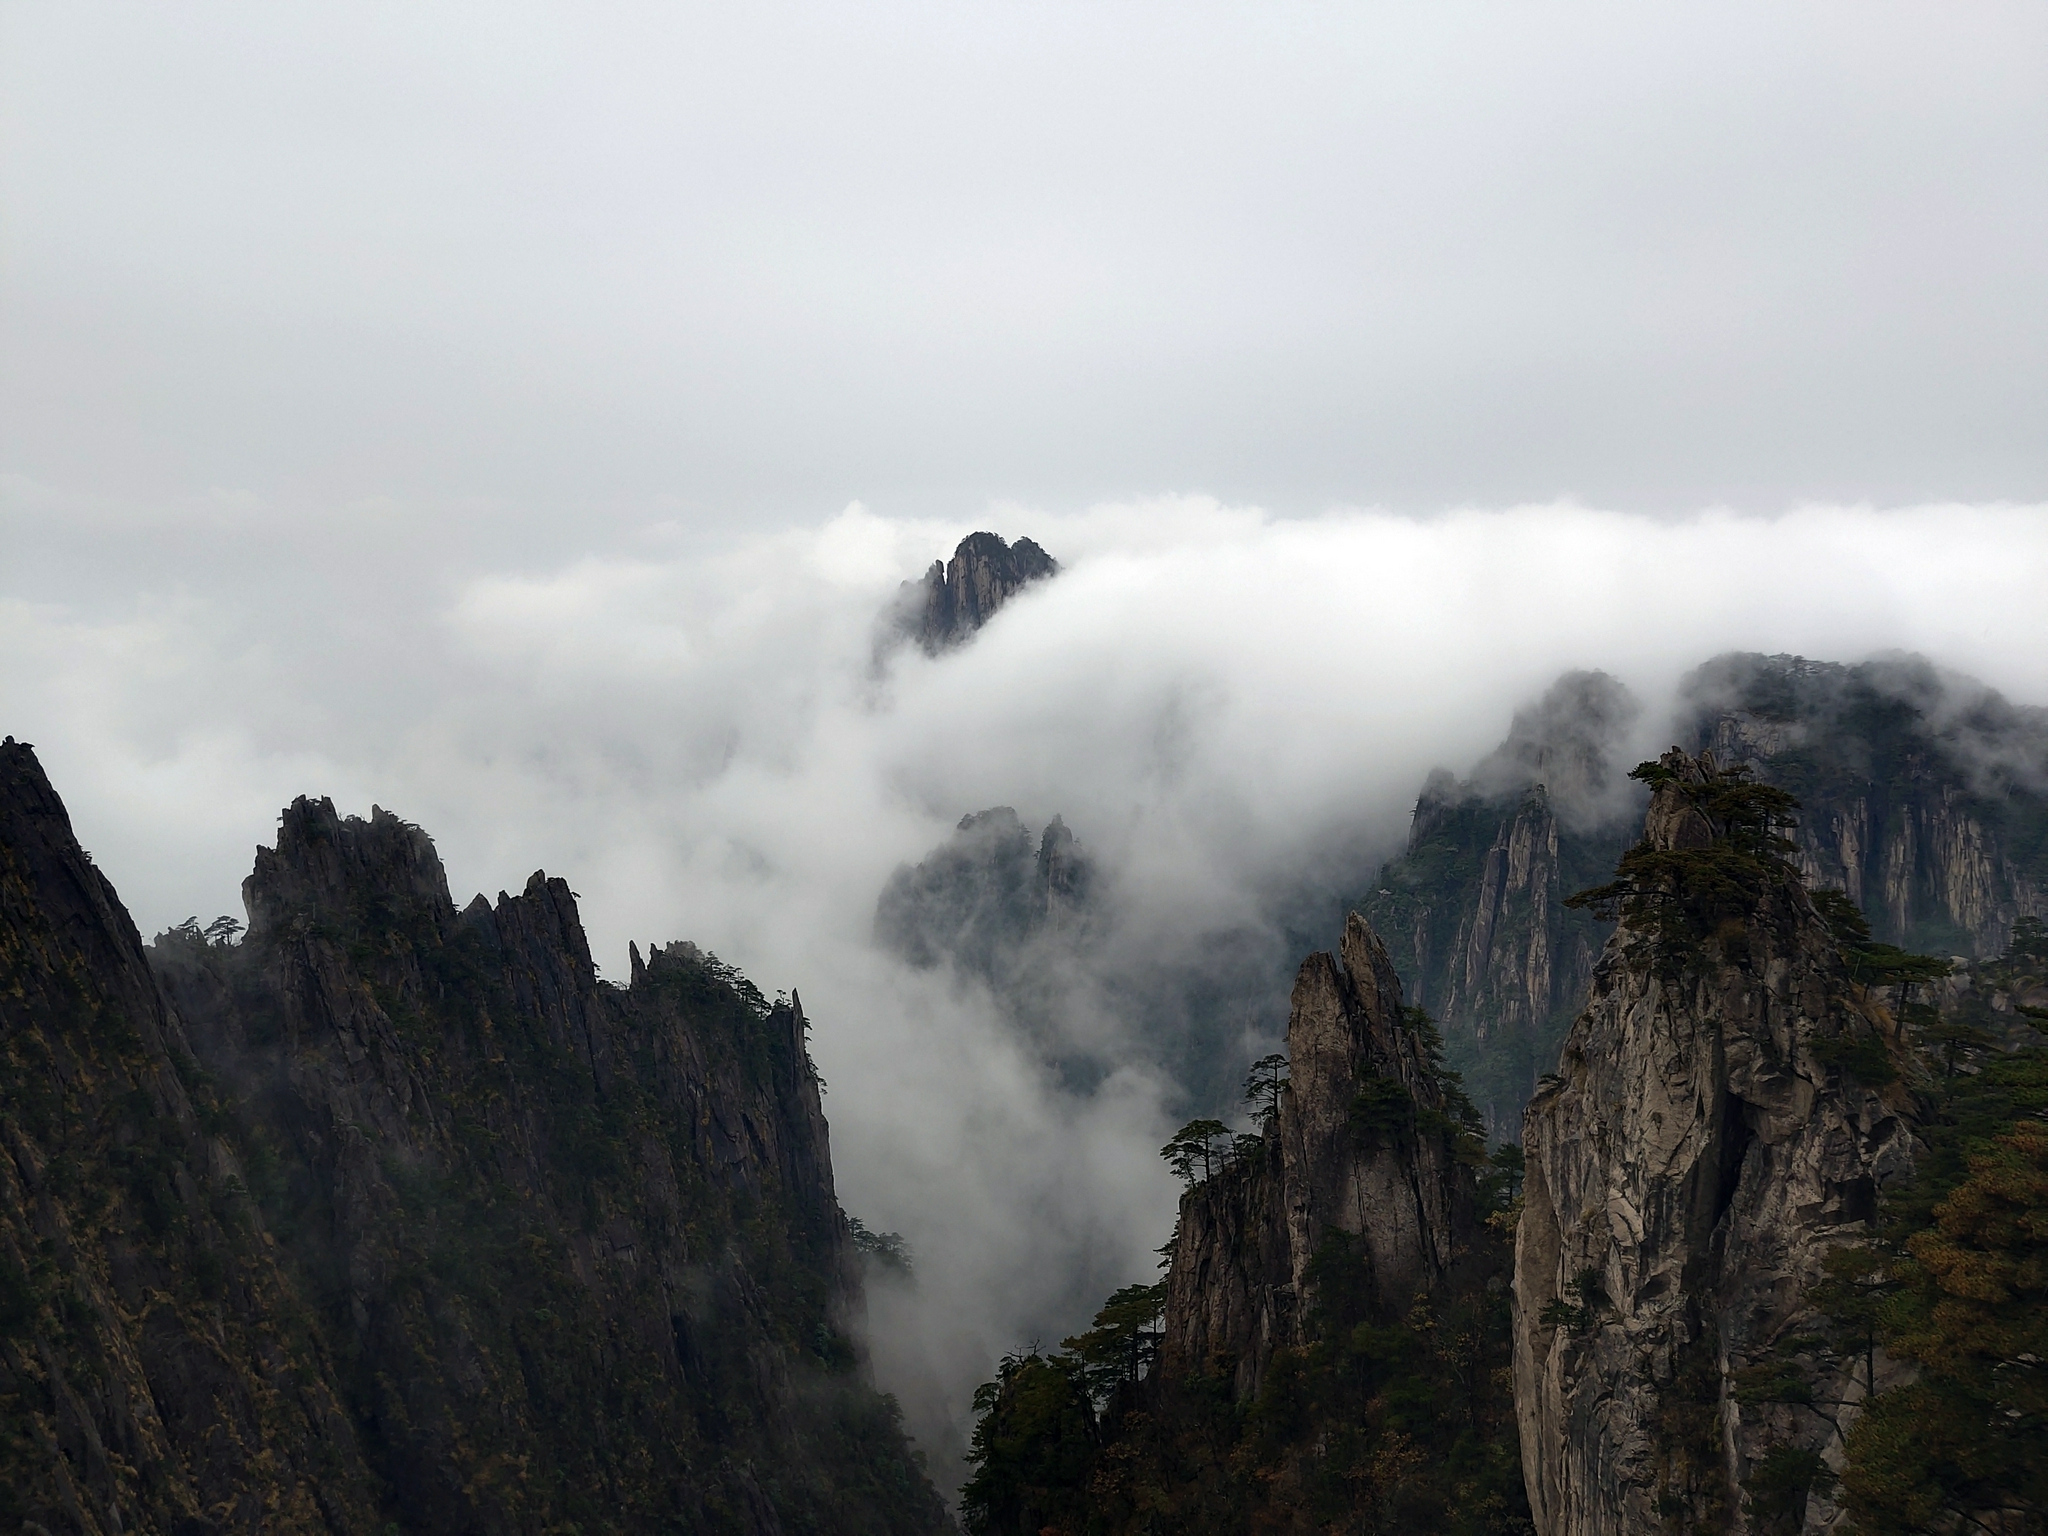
<point x="700" y="738"/>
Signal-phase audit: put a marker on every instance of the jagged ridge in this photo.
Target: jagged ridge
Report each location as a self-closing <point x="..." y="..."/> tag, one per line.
<point x="512" y="1247"/>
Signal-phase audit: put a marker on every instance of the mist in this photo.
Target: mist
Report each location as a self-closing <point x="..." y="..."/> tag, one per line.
<point x="521" y="419"/>
<point x="1222" y="704"/>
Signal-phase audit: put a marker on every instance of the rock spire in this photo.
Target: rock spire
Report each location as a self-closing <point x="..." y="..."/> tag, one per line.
<point x="1696" y="1155"/>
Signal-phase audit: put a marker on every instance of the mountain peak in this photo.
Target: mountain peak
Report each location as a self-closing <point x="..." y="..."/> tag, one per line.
<point x="956" y="597"/>
<point x="326" y="864"/>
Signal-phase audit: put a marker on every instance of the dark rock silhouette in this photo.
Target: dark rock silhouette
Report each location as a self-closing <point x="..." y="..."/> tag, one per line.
<point x="958" y="596"/>
<point x="394" y="1216"/>
<point x="1238" y="1286"/>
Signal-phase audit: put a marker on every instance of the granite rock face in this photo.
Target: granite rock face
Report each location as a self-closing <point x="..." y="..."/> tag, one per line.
<point x="1689" y="1166"/>
<point x="1474" y="909"/>
<point x="1344" y="1153"/>
<point x="428" y="1228"/>
<point x="958" y="596"/>
<point x="1924" y="794"/>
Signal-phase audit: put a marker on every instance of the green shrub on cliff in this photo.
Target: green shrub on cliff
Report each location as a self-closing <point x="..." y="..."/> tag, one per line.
<point x="1956" y="1283"/>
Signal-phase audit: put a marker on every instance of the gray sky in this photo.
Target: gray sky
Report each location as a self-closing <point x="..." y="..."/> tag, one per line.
<point x="741" y="262"/>
<point x="518" y="416"/>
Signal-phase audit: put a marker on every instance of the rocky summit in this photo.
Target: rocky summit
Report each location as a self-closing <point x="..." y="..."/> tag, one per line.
<point x="393" y="1217"/>
<point x="1330" y="1339"/>
<point x="1239" y="1283"/>
<point x="956" y="597"/>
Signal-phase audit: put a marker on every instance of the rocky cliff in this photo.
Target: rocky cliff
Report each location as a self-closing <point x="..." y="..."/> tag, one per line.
<point x="958" y="596"/>
<point x="1723" y="1115"/>
<point x="1474" y="909"/>
<point x="1328" y="1350"/>
<point x="1924" y="794"/>
<point x="393" y="1216"/>
<point x="1363" y="1144"/>
<point x="159" y="1368"/>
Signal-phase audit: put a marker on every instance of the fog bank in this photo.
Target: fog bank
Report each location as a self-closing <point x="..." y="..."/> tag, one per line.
<point x="1219" y="703"/>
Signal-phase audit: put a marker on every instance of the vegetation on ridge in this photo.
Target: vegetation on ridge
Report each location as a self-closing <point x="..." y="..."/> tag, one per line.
<point x="1375" y="1423"/>
<point x="1955" y="1281"/>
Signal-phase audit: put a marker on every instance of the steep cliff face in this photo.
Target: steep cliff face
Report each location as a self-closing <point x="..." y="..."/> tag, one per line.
<point x="554" y="1251"/>
<point x="1328" y="1350"/>
<point x="1362" y="1145"/>
<point x="1698" y="1152"/>
<point x="1924" y="795"/>
<point x="1474" y="910"/>
<point x="958" y="596"/>
<point x="158" y="1369"/>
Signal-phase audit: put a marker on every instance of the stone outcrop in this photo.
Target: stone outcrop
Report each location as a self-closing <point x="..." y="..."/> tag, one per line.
<point x="985" y="895"/>
<point x="1361" y="1144"/>
<point x="958" y="596"/>
<point x="1923" y="796"/>
<point x="1697" y="1154"/>
<point x="394" y="1216"/>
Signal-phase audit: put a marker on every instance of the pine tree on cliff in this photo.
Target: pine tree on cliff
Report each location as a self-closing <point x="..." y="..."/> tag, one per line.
<point x="1331" y="1336"/>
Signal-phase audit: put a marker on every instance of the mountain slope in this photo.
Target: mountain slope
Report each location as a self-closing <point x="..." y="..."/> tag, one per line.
<point x="530" y="1251"/>
<point x="1328" y="1349"/>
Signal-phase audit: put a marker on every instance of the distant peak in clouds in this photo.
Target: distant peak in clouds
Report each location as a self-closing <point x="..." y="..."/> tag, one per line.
<point x="956" y="597"/>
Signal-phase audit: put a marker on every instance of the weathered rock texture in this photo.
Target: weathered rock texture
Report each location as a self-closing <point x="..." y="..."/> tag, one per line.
<point x="1924" y="795"/>
<point x="1689" y="1166"/>
<point x="1362" y="1144"/>
<point x="1474" y="910"/>
<point x="394" y="1216"/>
<point x="958" y="596"/>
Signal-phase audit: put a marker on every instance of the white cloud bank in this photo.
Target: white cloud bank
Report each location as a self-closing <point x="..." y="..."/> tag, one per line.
<point x="1211" y="697"/>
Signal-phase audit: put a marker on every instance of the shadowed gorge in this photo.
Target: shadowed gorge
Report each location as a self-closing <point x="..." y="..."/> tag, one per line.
<point x="394" y="1216"/>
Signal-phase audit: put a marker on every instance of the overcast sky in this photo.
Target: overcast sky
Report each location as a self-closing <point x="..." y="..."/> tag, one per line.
<point x="517" y="417"/>
<point x="733" y="262"/>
